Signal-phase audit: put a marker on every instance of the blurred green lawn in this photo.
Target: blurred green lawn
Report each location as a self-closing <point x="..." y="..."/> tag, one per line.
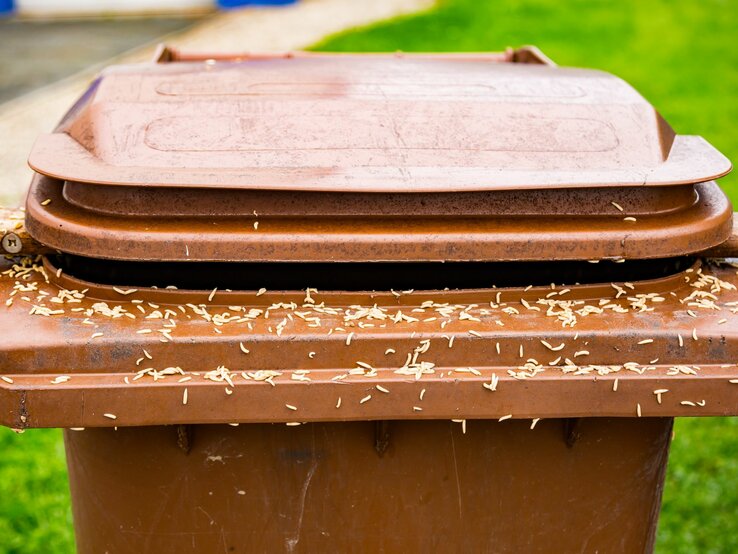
<point x="678" y="54"/>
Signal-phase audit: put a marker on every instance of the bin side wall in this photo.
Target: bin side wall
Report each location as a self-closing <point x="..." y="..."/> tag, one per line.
<point x="421" y="486"/>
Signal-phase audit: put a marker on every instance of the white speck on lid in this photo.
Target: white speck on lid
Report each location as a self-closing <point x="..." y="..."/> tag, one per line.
<point x="124" y="292"/>
<point x="492" y="385"/>
<point x="110" y="416"/>
<point x="658" y="393"/>
<point x="552" y="348"/>
<point x="463" y="424"/>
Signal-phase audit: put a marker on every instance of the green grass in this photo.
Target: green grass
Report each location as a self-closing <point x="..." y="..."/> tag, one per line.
<point x="35" y="516"/>
<point x="700" y="507"/>
<point x="679" y="55"/>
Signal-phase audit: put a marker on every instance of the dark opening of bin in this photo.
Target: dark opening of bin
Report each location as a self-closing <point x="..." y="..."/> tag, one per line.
<point x="364" y="276"/>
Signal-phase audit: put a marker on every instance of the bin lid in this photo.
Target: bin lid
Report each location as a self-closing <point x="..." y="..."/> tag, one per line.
<point x="380" y="157"/>
<point x="369" y="123"/>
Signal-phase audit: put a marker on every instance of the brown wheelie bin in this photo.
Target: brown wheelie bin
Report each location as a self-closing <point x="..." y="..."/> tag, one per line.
<point x="368" y="303"/>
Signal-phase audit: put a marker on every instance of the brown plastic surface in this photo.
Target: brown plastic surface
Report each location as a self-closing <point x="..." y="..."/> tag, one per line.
<point x="37" y="349"/>
<point x="353" y="158"/>
<point x="204" y="203"/>
<point x="31" y="247"/>
<point x="377" y="123"/>
<point x="693" y="227"/>
<point x="591" y="485"/>
<point x="524" y="54"/>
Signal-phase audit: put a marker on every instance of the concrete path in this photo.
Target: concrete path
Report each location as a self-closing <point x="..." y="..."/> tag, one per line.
<point x="251" y="29"/>
<point x="34" y="54"/>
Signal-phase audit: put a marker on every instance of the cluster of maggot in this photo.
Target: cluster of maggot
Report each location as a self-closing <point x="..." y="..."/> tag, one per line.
<point x="34" y="288"/>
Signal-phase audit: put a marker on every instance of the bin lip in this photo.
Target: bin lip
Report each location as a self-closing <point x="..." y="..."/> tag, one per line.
<point x="379" y="123"/>
<point x="98" y="351"/>
<point x="57" y="223"/>
<point x="105" y="400"/>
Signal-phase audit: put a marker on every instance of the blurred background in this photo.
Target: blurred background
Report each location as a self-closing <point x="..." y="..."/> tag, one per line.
<point x="679" y="54"/>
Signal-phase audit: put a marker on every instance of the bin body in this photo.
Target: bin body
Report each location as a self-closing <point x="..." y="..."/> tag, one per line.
<point x="370" y="247"/>
<point x="589" y="485"/>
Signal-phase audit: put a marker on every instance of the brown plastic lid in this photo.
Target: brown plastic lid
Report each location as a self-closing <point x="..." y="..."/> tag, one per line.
<point x="352" y="158"/>
<point x="376" y="123"/>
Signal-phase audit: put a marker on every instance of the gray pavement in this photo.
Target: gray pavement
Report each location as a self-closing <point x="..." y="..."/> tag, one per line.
<point x="34" y="53"/>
